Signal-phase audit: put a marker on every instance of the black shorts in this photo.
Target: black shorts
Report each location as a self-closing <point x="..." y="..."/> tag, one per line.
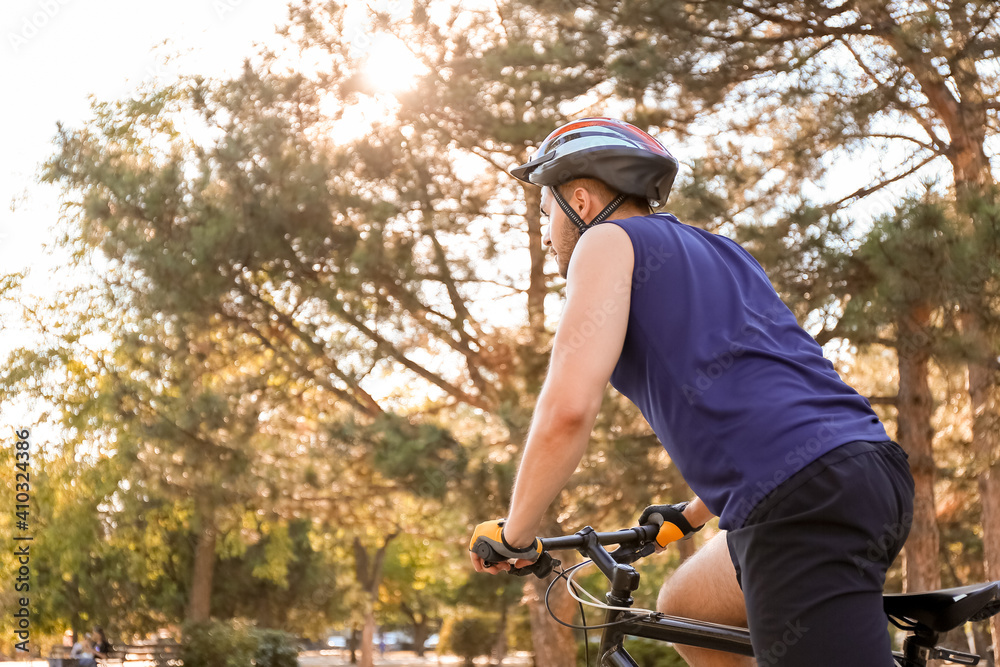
<point x="812" y="556"/>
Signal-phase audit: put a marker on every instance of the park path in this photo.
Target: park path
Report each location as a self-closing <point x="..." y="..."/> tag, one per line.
<point x="341" y="659"/>
<point x="398" y="659"/>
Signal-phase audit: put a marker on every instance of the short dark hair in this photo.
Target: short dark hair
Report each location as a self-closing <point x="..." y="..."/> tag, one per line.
<point x="602" y="191"/>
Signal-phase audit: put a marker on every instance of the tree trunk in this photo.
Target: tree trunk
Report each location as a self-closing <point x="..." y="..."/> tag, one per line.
<point x="553" y="643"/>
<point x="421" y="627"/>
<point x="989" y="491"/>
<point x="500" y="645"/>
<point x="420" y="635"/>
<point x="915" y="434"/>
<point x="984" y="400"/>
<point x="368" y="570"/>
<point x="964" y="114"/>
<point x="984" y="393"/>
<point x="353" y="645"/>
<point x="71" y="590"/>
<point x="200" y="594"/>
<point x="368" y="634"/>
<point x="981" y="643"/>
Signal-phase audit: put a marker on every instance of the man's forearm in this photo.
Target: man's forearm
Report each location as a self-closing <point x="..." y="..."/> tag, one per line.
<point x="556" y="444"/>
<point x="697" y="513"/>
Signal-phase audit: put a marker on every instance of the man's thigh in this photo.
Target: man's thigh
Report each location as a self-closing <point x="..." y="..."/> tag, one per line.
<point x="705" y="587"/>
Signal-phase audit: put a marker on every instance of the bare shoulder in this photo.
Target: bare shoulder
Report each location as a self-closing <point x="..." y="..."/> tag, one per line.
<point x="603" y="252"/>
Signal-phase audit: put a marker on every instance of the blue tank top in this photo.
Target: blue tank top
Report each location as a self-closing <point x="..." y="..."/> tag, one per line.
<point x="738" y="393"/>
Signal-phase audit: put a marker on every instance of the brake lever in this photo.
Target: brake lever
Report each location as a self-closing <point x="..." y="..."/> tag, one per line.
<point x="627" y="555"/>
<point x="541" y="568"/>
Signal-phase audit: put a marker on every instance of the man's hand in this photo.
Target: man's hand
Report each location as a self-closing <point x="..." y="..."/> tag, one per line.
<point x="673" y="524"/>
<point x="489" y="546"/>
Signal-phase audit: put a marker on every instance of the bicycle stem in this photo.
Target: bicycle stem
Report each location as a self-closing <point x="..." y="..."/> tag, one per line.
<point x="624" y="579"/>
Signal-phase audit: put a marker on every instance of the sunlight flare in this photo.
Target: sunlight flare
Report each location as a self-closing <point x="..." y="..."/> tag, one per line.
<point x="389" y="66"/>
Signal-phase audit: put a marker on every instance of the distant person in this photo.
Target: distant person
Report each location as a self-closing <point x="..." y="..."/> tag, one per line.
<point x="83" y="651"/>
<point x="101" y="644"/>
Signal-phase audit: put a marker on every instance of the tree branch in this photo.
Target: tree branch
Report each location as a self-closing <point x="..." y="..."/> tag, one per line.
<point x="366" y="405"/>
<point x="361" y="398"/>
<point x="889" y="135"/>
<point x="865" y="191"/>
<point x="393" y="352"/>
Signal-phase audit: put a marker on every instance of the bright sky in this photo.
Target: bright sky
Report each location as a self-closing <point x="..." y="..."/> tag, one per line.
<point x="58" y="55"/>
<point x="55" y="54"/>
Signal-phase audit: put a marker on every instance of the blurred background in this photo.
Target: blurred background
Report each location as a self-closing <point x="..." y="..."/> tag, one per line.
<point x="275" y="315"/>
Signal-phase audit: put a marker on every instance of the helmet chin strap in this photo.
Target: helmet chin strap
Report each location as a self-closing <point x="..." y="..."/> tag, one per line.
<point x="575" y="217"/>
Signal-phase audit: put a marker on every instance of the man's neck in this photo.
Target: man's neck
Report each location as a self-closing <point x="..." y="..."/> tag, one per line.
<point x="628" y="212"/>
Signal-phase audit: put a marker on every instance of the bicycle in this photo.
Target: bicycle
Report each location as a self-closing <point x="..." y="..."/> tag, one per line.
<point x="924" y="616"/>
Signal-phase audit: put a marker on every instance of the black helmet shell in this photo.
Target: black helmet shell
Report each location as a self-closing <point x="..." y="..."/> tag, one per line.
<point x="621" y="155"/>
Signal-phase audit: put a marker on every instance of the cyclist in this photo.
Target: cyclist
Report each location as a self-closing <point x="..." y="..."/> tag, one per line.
<point x="814" y="500"/>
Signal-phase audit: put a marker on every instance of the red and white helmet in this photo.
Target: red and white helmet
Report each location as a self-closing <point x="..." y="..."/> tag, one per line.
<point x="621" y="155"/>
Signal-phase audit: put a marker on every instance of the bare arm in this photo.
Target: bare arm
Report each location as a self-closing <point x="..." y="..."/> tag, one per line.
<point x="697" y="514"/>
<point x="587" y="345"/>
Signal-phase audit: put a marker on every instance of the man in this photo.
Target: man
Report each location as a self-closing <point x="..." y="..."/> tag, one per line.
<point x="686" y="324"/>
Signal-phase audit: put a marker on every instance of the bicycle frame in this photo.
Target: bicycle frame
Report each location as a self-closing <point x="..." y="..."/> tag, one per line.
<point x="677" y="630"/>
<point x="624" y="579"/>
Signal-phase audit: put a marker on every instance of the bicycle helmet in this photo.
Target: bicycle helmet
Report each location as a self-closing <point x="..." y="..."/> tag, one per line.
<point x="621" y="155"/>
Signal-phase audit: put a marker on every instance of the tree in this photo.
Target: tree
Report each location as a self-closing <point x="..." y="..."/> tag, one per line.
<point x="419" y="579"/>
<point x="352" y="261"/>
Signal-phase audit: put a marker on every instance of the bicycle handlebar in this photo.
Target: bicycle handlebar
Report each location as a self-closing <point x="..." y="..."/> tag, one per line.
<point x="634" y="543"/>
<point x="639" y="534"/>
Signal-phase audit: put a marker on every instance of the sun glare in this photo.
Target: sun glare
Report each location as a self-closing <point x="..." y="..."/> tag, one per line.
<point x="390" y="67"/>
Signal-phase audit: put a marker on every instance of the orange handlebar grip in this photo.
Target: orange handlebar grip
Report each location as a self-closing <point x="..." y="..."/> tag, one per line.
<point x="668" y="533"/>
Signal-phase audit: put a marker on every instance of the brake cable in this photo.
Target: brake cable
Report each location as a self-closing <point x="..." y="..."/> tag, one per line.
<point x="597" y="603"/>
<point x="568" y="574"/>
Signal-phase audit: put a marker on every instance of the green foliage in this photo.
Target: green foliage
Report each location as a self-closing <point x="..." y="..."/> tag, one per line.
<point x="261" y="279"/>
<point x="307" y="596"/>
<point x="417" y="583"/>
<point x="218" y="644"/>
<point x="648" y="653"/>
<point x="236" y="644"/>
<point x="645" y="652"/>
<point x="468" y="636"/>
<point x="519" y="633"/>
<point x="425" y="458"/>
<point x="276" y="649"/>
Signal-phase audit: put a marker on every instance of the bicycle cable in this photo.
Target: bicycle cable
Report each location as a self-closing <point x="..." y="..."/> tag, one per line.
<point x="597" y="603"/>
<point x="586" y="636"/>
<point x="567" y="574"/>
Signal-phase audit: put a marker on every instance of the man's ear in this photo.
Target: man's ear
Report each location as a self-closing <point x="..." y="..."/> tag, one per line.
<point x="582" y="201"/>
